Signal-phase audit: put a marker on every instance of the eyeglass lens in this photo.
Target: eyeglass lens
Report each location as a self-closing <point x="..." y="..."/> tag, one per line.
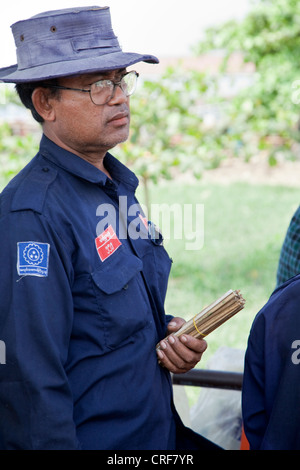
<point x="103" y="90"/>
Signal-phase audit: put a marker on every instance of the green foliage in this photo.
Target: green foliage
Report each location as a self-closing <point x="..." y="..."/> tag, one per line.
<point x="15" y="152"/>
<point x="168" y="136"/>
<point x="164" y="124"/>
<point x="8" y="95"/>
<point x="269" y="37"/>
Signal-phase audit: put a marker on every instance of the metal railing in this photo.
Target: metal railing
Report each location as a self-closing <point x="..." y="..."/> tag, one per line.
<point x="210" y="379"/>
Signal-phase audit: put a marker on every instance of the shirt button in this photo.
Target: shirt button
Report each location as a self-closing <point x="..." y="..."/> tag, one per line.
<point x="45" y="169"/>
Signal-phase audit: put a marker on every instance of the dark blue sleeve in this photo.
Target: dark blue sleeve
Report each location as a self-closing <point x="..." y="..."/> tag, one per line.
<point x="271" y="386"/>
<point x="253" y="396"/>
<point x="36" y="312"/>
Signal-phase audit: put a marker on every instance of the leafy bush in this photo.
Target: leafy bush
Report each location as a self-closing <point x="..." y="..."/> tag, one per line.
<point x="264" y="117"/>
<point x="15" y="151"/>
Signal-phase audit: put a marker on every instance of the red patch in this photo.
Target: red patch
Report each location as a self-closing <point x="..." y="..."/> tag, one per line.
<point x="144" y="220"/>
<point x="107" y="243"/>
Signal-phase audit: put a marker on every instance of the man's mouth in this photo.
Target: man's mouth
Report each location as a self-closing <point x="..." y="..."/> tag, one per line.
<point x="120" y="118"/>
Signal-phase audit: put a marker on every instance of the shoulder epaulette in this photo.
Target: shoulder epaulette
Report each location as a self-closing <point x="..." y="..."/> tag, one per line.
<point x="33" y="189"/>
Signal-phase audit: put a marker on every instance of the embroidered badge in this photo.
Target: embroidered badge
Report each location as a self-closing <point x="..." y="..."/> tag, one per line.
<point x="107" y="243"/>
<point x="33" y="259"/>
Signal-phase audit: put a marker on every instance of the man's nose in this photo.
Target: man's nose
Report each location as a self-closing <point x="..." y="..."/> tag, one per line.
<point x="118" y="97"/>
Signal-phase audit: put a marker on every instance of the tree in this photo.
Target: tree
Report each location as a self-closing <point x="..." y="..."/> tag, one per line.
<point x="265" y="115"/>
<point x="168" y="136"/>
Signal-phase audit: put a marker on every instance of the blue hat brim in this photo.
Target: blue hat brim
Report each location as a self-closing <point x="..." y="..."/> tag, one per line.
<point x="117" y="60"/>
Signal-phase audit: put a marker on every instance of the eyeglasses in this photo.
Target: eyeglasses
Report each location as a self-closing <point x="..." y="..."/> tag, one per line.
<point x="102" y="92"/>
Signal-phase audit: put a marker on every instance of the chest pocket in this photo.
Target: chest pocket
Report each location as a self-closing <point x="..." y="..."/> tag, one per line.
<point x="157" y="266"/>
<point x="122" y="300"/>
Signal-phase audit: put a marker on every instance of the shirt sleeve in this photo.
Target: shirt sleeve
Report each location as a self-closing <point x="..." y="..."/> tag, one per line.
<point x="271" y="386"/>
<point x="253" y="395"/>
<point x="36" y="313"/>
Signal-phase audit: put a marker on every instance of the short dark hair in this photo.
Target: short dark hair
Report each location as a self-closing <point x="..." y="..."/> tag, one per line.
<point x="25" y="91"/>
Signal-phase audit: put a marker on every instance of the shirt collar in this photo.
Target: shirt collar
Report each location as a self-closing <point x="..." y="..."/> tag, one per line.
<point x="85" y="170"/>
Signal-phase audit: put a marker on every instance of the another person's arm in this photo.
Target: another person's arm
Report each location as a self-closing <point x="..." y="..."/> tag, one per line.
<point x="289" y="260"/>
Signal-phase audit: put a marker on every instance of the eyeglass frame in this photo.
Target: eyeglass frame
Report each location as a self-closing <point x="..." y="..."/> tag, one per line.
<point x="115" y="84"/>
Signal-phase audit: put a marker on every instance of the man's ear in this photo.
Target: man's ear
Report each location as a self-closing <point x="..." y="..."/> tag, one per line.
<point x="43" y="103"/>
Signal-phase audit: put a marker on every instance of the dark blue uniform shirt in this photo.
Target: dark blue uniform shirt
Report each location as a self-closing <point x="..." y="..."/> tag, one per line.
<point x="271" y="386"/>
<point x="81" y="310"/>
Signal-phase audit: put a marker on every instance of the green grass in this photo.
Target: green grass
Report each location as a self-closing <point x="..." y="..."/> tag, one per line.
<point x="244" y="227"/>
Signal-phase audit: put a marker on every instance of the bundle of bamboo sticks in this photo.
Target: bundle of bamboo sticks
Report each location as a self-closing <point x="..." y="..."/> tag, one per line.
<point x="213" y="316"/>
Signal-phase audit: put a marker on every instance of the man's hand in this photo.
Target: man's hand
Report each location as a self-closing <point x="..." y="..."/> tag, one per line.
<point x="180" y="355"/>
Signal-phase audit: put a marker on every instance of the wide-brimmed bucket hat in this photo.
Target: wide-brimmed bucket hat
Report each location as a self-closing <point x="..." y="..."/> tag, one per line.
<point x="67" y="42"/>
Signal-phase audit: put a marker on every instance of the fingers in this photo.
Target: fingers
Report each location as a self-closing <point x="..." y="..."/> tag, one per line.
<point x="175" y="324"/>
<point x="181" y="354"/>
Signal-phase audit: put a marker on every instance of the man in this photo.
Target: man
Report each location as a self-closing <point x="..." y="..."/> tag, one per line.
<point x="271" y="386"/>
<point x="82" y="282"/>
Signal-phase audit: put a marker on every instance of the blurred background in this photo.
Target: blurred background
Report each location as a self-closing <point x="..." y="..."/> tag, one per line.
<point x="216" y="123"/>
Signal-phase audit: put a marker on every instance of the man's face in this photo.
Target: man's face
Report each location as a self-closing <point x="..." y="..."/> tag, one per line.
<point x="85" y="127"/>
